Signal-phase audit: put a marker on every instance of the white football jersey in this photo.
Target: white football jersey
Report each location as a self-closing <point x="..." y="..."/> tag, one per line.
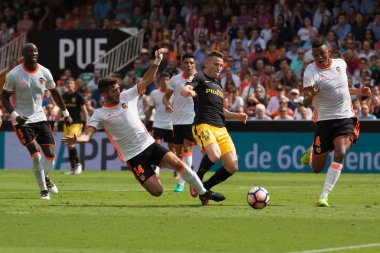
<point x="333" y="100"/>
<point x="183" y="107"/>
<point x="28" y="88"/>
<point x="123" y="126"/>
<point x="162" y="119"/>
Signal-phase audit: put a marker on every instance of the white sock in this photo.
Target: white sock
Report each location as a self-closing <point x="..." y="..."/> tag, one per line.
<point x="332" y="177"/>
<point x="191" y="177"/>
<point x="188" y="160"/>
<point x="48" y="165"/>
<point x="38" y="171"/>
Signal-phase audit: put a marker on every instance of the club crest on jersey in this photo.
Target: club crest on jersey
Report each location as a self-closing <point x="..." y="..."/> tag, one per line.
<point x="124" y="105"/>
<point x="42" y="80"/>
<point x="338" y="69"/>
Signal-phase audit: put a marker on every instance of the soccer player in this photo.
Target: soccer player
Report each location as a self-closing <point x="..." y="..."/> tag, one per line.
<point x="209" y="123"/>
<point x="27" y="83"/>
<point x="162" y="124"/>
<point x="74" y="102"/>
<point x="120" y="120"/>
<point x="337" y="128"/>
<point x="182" y="109"/>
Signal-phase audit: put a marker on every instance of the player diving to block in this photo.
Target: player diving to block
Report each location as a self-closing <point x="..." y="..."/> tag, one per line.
<point x="120" y="120"/>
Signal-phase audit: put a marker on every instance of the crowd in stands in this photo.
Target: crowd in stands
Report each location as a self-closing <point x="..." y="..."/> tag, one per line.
<point x="266" y="45"/>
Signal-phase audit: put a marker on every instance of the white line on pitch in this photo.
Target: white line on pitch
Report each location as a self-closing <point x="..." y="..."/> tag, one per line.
<point x="339" y="248"/>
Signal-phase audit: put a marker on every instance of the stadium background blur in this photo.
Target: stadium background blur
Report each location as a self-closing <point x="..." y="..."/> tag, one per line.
<point x="266" y="45"/>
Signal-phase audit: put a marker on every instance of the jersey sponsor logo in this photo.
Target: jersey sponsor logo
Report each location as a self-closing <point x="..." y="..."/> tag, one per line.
<point x="124" y="105"/>
<point x="24" y="82"/>
<point x="73" y="100"/>
<point x="215" y="92"/>
<point x="42" y="80"/>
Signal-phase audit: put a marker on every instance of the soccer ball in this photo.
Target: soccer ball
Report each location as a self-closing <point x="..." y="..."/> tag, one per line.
<point x="258" y="197"/>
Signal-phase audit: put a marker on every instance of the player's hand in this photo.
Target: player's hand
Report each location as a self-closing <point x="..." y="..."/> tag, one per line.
<point x="192" y="93"/>
<point x="313" y="91"/>
<point x="160" y="53"/>
<point x="70" y="140"/>
<point x="242" y="117"/>
<point x="169" y="108"/>
<point x="21" y="120"/>
<point x="68" y="120"/>
<point x="365" y="91"/>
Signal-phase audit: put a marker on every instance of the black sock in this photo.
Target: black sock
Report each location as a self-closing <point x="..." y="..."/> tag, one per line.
<point x="205" y="165"/>
<point x="220" y="175"/>
<point x="73" y="157"/>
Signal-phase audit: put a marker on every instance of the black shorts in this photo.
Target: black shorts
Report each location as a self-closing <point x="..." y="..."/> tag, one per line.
<point x="183" y="132"/>
<point x="165" y="134"/>
<point x="39" y="131"/>
<point x="327" y="130"/>
<point x="141" y="165"/>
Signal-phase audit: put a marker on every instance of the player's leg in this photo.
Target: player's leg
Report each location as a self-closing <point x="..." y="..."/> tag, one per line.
<point x="26" y="134"/>
<point x="179" y="142"/>
<point x="46" y="140"/>
<point x="170" y="160"/>
<point x="38" y="170"/>
<point x="228" y="158"/>
<point x="76" y="166"/>
<point x="144" y="173"/>
<point x="207" y="141"/>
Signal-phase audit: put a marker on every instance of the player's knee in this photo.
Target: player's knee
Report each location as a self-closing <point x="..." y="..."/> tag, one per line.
<point x="214" y="157"/>
<point x="157" y="192"/>
<point x="233" y="168"/>
<point x="317" y="169"/>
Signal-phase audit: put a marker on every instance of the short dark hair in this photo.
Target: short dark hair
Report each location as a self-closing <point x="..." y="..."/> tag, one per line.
<point x="184" y="56"/>
<point x="319" y="42"/>
<point x="105" y="82"/>
<point x="215" y="53"/>
<point x="164" y="74"/>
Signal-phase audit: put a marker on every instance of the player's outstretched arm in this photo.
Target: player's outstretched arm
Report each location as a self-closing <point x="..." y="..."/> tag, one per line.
<point x="166" y="100"/>
<point x="150" y="74"/>
<point x="235" y="116"/>
<point x="71" y="140"/>
<point x="188" y="90"/>
<point x="61" y="104"/>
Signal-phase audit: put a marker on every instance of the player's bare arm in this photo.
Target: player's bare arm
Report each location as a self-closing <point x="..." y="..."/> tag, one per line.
<point x="20" y="119"/>
<point x="61" y="104"/>
<point x="363" y="91"/>
<point x="310" y="92"/>
<point x="235" y="116"/>
<point x="71" y="140"/>
<point x="166" y="101"/>
<point x="150" y="74"/>
<point x="188" y="90"/>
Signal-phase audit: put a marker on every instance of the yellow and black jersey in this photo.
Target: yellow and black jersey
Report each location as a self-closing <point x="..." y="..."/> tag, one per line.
<point x="73" y="102"/>
<point x="208" y="104"/>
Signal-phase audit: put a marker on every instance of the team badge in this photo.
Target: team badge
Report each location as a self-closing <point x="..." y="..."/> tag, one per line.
<point x="318" y="149"/>
<point x="124" y="105"/>
<point x="306" y="81"/>
<point x="42" y="80"/>
<point x="23" y="140"/>
<point x="142" y="177"/>
<point x="317" y="144"/>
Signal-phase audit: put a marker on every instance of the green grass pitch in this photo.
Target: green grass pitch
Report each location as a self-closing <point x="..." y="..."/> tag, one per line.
<point x="110" y="212"/>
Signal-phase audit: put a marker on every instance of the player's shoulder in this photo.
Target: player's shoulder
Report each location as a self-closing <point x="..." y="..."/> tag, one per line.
<point x="43" y="69"/>
<point x="339" y="61"/>
<point x="16" y="70"/>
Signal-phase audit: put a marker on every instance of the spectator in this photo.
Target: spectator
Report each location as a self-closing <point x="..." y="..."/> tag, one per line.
<point x="25" y="24"/>
<point x="283" y="106"/>
<point x="274" y="102"/>
<point x="375" y="110"/>
<point x="260" y="113"/>
<point x="229" y="76"/>
<point x="367" y="52"/>
<point x="6" y="33"/>
<point x="365" y="115"/>
<point x="254" y="93"/>
<point x="342" y="27"/>
<point x="256" y="42"/>
<point x="101" y="9"/>
<point x="374" y="26"/>
<point x="236" y="101"/>
<point x="297" y="65"/>
<point x="322" y="13"/>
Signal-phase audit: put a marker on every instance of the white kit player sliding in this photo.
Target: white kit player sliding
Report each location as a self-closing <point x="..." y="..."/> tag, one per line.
<point x="27" y="84"/>
<point x="162" y="123"/>
<point x="182" y="109"/>
<point x="337" y="128"/>
<point x="120" y="120"/>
